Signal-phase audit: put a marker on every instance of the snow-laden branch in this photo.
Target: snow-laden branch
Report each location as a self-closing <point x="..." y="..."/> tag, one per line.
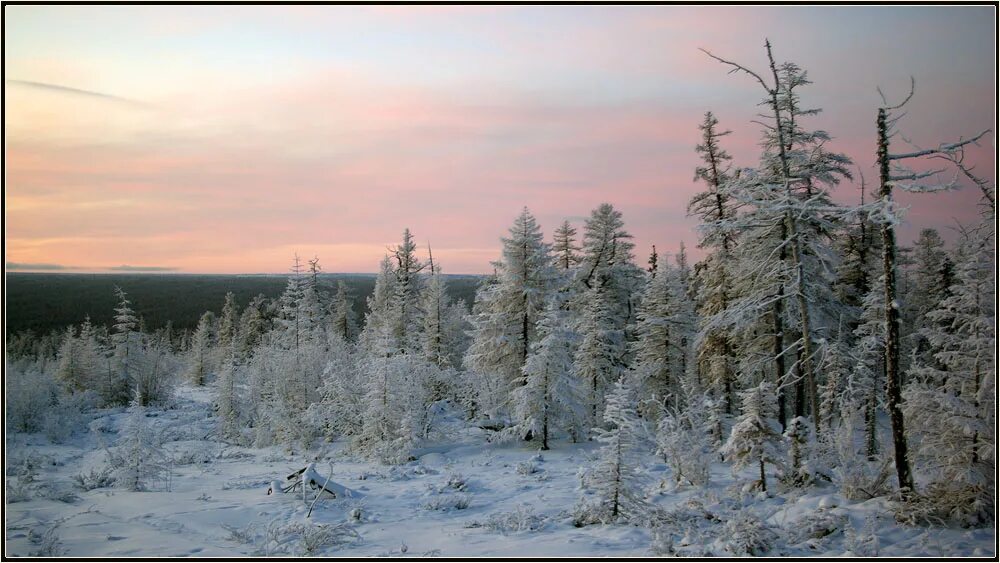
<point x="907" y="174"/>
<point x="942" y="149"/>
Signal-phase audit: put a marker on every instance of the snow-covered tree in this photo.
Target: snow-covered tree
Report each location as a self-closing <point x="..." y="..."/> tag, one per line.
<point x="380" y="310"/>
<point x="395" y="403"/>
<point x="599" y="359"/>
<point x="138" y="457"/>
<point x="228" y="325"/>
<point x="340" y="409"/>
<point x="406" y="322"/>
<point x="564" y="246"/>
<point x="865" y="386"/>
<point x="714" y="207"/>
<point x="607" y="259"/>
<point x="313" y="308"/>
<point x="343" y="317"/>
<point x="798" y="434"/>
<point x="664" y="330"/>
<point x="126" y="342"/>
<point x="201" y="362"/>
<point x="550" y="398"/>
<point x="950" y="405"/>
<point x="791" y="188"/>
<point x="893" y="173"/>
<point x="614" y="480"/>
<point x="228" y="398"/>
<point x="684" y="444"/>
<point x="68" y="371"/>
<point x="252" y="326"/>
<point x="931" y="279"/>
<point x="442" y="335"/>
<point x="506" y="314"/>
<point x="756" y="437"/>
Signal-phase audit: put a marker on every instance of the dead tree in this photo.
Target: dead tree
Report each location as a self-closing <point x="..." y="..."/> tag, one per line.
<point x="892" y="174"/>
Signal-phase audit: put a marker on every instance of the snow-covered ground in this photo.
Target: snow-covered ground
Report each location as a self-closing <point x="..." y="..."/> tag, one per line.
<point x="459" y="499"/>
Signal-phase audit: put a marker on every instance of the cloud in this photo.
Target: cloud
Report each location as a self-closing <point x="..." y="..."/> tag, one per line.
<point x="36" y="266"/>
<point x="127" y="268"/>
<point x="76" y="91"/>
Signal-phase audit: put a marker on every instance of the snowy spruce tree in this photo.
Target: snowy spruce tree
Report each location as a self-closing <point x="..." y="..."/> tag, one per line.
<point x="70" y="372"/>
<point x="343" y="317"/>
<point x="614" y="481"/>
<point x="126" y="342"/>
<point x="756" y="438"/>
<point x="506" y="314"/>
<point x="229" y="322"/>
<point x="608" y="259"/>
<point x="550" y="398"/>
<point x="599" y="359"/>
<point x="664" y="330"/>
<point x="443" y="335"/>
<point x="405" y="300"/>
<point x="253" y="324"/>
<point x="394" y="409"/>
<point x="228" y="400"/>
<point x="715" y="207"/>
<point x="380" y="310"/>
<point x="201" y="363"/>
<point x="564" y="247"/>
<point x="686" y="442"/>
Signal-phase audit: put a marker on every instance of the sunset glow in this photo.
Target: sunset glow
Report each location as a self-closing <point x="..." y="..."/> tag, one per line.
<point x="224" y="139"/>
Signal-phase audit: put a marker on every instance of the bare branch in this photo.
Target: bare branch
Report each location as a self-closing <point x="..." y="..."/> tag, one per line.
<point x="958" y="159"/>
<point x="762" y="124"/>
<point x="887" y="107"/>
<point x="738" y="67"/>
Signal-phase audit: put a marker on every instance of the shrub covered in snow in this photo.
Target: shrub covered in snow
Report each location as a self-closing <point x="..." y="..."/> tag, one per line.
<point x="46" y="541"/>
<point x="29" y="396"/>
<point x="526" y="468"/>
<point x="521" y="519"/>
<point x="863" y="542"/>
<point x="817" y="525"/>
<point x="746" y="534"/>
<point x="448" y="502"/>
<point x="95" y="478"/>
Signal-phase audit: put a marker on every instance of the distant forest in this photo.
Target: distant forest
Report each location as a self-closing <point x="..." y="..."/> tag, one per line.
<point x="43" y="302"/>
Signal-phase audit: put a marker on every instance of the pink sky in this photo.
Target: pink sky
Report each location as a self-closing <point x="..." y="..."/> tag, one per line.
<point x="225" y="139"/>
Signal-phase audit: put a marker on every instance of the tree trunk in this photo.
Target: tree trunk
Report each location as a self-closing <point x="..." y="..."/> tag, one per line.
<point x="777" y="311"/>
<point x="800" y="386"/>
<point x="892" y="384"/>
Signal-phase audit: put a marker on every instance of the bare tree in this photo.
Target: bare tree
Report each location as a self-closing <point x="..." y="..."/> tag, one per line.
<point x="893" y="174"/>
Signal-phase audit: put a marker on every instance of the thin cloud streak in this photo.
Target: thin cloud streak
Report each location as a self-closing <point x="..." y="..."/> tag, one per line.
<point x="40" y="267"/>
<point x="127" y="268"/>
<point x="76" y="92"/>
